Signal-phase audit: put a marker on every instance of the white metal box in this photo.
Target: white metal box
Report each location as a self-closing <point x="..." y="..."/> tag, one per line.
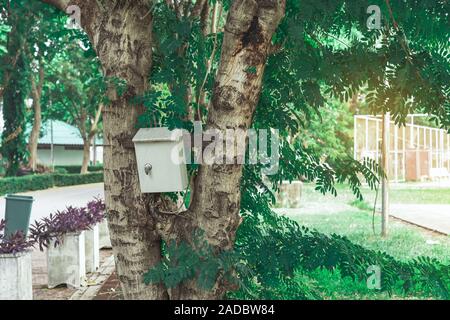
<point x="160" y="159"/>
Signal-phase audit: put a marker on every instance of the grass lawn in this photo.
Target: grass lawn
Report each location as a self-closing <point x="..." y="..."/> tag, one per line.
<point x="404" y="242"/>
<point x="400" y="193"/>
<point x="342" y="215"/>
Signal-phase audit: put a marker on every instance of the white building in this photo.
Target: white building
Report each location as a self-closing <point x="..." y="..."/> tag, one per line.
<point x="60" y="144"/>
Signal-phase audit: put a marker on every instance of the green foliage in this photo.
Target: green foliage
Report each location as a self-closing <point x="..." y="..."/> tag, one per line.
<point x="330" y="132"/>
<point x="327" y="54"/>
<point x="76" y="169"/>
<point x="361" y="204"/>
<point x="25" y="183"/>
<point x="46" y="181"/>
<point x="276" y="247"/>
<point x="76" y="88"/>
<point x="179" y="70"/>
<point x="61" y="180"/>
<point x="13" y="146"/>
<point x="198" y="261"/>
<point x="271" y="251"/>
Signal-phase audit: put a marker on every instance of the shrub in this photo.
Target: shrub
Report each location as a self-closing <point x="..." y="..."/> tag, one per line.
<point x="77" y="169"/>
<point x="96" y="210"/>
<point x="25" y="183"/>
<point x="61" y="171"/>
<point x="71" y="220"/>
<point x="45" y="181"/>
<point x="61" y="180"/>
<point x="276" y="249"/>
<point x="15" y="243"/>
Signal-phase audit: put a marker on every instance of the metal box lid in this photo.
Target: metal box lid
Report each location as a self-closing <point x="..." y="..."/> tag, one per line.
<point x="157" y="135"/>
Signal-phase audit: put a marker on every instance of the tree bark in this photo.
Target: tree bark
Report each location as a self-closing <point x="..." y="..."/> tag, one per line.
<point x="86" y="155"/>
<point x="122" y="39"/>
<point x="121" y="34"/>
<point x="88" y="138"/>
<point x="36" y="93"/>
<point x="216" y="204"/>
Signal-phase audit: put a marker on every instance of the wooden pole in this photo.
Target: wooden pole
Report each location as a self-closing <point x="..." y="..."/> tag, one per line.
<point x="385" y="149"/>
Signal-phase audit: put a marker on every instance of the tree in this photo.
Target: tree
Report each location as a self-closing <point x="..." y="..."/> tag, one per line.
<point x="49" y="36"/>
<point x="77" y="94"/>
<point x="36" y="93"/>
<point x="285" y="66"/>
<point x="15" y="88"/>
<point x="36" y="51"/>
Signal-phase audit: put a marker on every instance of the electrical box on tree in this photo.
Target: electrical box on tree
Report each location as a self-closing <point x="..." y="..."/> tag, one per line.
<point x="160" y="156"/>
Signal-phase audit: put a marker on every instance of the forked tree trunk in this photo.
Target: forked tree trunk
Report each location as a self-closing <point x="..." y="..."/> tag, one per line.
<point x="246" y="45"/>
<point x="36" y="92"/>
<point x="34" y="136"/>
<point x="86" y="155"/>
<point x="88" y="138"/>
<point x="121" y="34"/>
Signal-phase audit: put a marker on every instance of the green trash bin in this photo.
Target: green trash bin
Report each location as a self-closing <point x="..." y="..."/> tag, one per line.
<point x="17" y="215"/>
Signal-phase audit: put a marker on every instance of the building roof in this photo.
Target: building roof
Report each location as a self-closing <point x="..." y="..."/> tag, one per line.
<point x="63" y="134"/>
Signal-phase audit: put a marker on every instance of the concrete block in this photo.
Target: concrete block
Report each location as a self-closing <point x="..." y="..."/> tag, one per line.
<point x="289" y="195"/>
<point x="92" y="249"/>
<point x="105" y="241"/>
<point x="66" y="263"/>
<point x="15" y="276"/>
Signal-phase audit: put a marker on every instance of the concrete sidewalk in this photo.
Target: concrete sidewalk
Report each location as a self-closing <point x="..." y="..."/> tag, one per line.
<point x="51" y="200"/>
<point x="45" y="203"/>
<point x="94" y="280"/>
<point x="434" y="217"/>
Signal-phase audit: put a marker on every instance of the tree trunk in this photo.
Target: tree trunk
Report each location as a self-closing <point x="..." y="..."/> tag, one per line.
<point x="123" y="42"/>
<point x="216" y="204"/>
<point x="121" y="34"/>
<point x="86" y="155"/>
<point x="88" y="138"/>
<point x="36" y="92"/>
<point x="34" y="136"/>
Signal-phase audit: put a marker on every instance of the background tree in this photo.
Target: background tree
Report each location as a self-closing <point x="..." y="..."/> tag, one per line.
<point x="15" y="86"/>
<point x="32" y="41"/>
<point x="49" y="37"/>
<point x="77" y="94"/>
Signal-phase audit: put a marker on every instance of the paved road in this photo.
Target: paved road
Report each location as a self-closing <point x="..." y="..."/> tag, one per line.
<point x="434" y="217"/>
<point x="431" y="216"/>
<point x="50" y="200"/>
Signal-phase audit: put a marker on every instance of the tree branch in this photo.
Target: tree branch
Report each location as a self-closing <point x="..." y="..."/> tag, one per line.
<point x="60" y="4"/>
<point x="94" y="128"/>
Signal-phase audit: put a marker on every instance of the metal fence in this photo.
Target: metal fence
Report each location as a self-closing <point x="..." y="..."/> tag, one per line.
<point x="416" y="152"/>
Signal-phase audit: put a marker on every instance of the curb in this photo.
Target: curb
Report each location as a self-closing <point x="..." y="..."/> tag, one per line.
<point x="95" y="281"/>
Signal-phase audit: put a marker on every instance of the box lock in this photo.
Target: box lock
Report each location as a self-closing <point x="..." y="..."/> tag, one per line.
<point x="148" y="168"/>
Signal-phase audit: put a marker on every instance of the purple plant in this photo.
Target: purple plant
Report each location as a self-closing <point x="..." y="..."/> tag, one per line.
<point x="96" y="210"/>
<point x="71" y="220"/>
<point x="15" y="243"/>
